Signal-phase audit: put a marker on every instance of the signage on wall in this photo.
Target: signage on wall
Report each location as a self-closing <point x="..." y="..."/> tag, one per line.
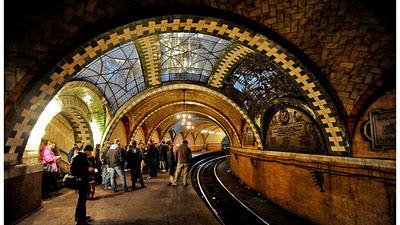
<point x="381" y="129"/>
<point x="292" y="130"/>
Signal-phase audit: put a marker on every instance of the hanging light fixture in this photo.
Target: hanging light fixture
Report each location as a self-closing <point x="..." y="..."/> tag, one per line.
<point x="184" y="118"/>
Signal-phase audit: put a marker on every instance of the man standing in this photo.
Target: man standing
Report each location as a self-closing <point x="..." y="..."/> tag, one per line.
<point x="81" y="168"/>
<point x="78" y="146"/>
<point x="183" y="156"/>
<point x="134" y="160"/>
<point x="115" y="159"/>
<point x="106" y="170"/>
<point x="163" y="156"/>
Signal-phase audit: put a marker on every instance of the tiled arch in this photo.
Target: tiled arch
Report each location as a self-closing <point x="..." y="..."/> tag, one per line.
<point x="154" y="91"/>
<point x="16" y="137"/>
<point x="236" y="136"/>
<point x="78" y="115"/>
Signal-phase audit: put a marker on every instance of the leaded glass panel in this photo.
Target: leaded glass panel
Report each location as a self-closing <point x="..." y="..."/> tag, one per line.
<point x="189" y="56"/>
<point x="117" y="73"/>
<point x="259" y="82"/>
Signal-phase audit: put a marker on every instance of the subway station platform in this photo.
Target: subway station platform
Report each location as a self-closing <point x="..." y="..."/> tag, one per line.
<point x="156" y="204"/>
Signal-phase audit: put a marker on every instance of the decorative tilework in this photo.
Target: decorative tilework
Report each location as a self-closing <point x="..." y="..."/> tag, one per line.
<point x="257" y="42"/>
<point x="180" y="103"/>
<point x="149" y="47"/>
<point x="147" y="93"/>
<point x="80" y="126"/>
<point x="78" y="115"/>
<point x="226" y="63"/>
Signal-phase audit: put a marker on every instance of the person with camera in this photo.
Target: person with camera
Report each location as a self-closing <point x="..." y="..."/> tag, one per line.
<point x="81" y="168"/>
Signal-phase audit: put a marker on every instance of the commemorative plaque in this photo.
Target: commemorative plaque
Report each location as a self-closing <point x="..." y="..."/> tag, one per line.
<point x="291" y="130"/>
<point x="381" y="129"/>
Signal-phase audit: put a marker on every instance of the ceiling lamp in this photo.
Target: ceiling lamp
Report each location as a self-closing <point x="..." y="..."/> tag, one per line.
<point x="184" y="118"/>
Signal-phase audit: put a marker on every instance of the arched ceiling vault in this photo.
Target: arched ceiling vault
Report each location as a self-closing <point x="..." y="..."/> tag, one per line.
<point x="168" y="111"/>
<point x="77" y="113"/>
<point x="93" y="99"/>
<point x="151" y="100"/>
<point x="334" y="129"/>
<point x="206" y="122"/>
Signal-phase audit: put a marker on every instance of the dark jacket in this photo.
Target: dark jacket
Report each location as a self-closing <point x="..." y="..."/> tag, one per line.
<point x="163" y="152"/>
<point x="152" y="153"/>
<point x="80" y="165"/>
<point x="183" y="154"/>
<point x="133" y="158"/>
<point x="104" y="157"/>
<point x="171" y="159"/>
<point x="114" y="157"/>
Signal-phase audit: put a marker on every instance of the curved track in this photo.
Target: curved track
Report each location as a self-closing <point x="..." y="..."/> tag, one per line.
<point x="226" y="207"/>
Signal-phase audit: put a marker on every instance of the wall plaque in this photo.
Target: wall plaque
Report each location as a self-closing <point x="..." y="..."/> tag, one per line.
<point x="381" y="129"/>
<point x="291" y="130"/>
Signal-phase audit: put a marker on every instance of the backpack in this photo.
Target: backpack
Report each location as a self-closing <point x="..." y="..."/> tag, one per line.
<point x="71" y="182"/>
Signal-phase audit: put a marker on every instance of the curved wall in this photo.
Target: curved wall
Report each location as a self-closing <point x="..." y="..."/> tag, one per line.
<point x="355" y="190"/>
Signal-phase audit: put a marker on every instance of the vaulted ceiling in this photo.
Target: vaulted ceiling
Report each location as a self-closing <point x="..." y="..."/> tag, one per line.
<point x="331" y="52"/>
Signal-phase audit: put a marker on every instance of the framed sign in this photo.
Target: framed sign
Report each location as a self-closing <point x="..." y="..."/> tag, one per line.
<point x="292" y="130"/>
<point x="381" y="129"/>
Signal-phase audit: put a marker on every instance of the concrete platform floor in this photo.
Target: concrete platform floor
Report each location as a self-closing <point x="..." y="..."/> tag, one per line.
<point x="156" y="204"/>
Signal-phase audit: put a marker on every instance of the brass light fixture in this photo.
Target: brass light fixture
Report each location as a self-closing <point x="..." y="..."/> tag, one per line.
<point x="184" y="118"/>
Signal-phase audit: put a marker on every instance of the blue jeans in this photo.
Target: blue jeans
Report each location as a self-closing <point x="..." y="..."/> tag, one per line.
<point x="106" y="176"/>
<point x="121" y="174"/>
<point x="163" y="165"/>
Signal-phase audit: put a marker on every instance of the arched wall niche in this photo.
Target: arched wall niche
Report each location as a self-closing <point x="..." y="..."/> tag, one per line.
<point x="190" y="138"/>
<point x="120" y="133"/>
<point x="179" y="138"/>
<point x="139" y="135"/>
<point x="60" y="131"/>
<point x="167" y="137"/>
<point x="325" y="109"/>
<point x="289" y="126"/>
<point x="155" y="136"/>
<point x="200" y="140"/>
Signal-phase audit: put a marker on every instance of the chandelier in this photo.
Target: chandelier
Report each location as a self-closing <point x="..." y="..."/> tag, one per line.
<point x="184" y="118"/>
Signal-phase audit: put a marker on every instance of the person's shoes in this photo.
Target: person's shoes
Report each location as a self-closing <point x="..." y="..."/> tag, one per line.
<point x="109" y="188"/>
<point x="185" y="185"/>
<point x="143" y="186"/>
<point x="115" y="191"/>
<point x="82" y="222"/>
<point x="126" y="190"/>
<point x="89" y="219"/>
<point x="174" y="184"/>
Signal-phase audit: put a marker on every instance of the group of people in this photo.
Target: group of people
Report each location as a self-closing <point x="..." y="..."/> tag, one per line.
<point x="113" y="160"/>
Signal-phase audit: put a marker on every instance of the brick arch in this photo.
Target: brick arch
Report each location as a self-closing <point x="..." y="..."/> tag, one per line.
<point x="147" y="93"/>
<point x="100" y="105"/>
<point x="79" y="125"/>
<point x="78" y="115"/>
<point x="234" y="139"/>
<point x="304" y="78"/>
<point x="127" y="125"/>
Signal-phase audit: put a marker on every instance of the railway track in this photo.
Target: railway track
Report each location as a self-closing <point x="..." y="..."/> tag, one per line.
<point x="225" y="206"/>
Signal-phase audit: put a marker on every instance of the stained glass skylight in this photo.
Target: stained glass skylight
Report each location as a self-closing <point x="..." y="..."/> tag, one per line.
<point x="189" y="56"/>
<point x="257" y="79"/>
<point x="117" y="73"/>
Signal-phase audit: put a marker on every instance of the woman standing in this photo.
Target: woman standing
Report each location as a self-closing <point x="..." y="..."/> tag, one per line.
<point x="49" y="160"/>
<point x="171" y="162"/>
